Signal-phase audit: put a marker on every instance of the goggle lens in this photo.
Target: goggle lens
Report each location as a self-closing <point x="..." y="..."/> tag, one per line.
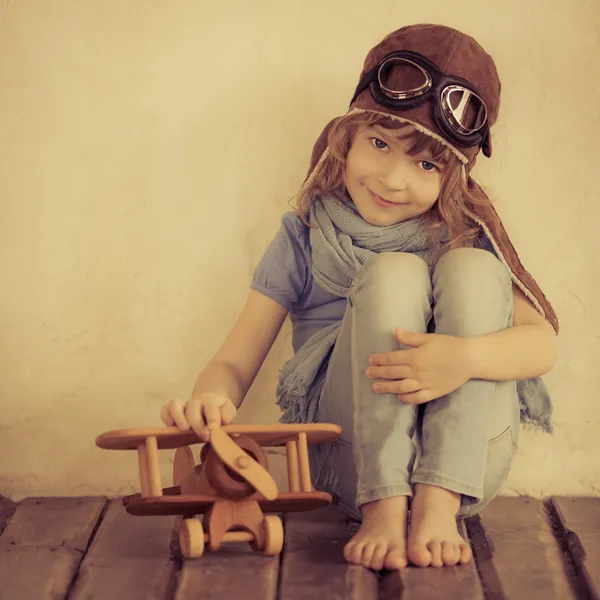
<point x="400" y="78"/>
<point x="464" y="108"/>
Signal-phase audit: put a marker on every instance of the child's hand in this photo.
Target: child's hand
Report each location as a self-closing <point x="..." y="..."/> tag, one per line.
<point x="435" y="366"/>
<point x="200" y="413"/>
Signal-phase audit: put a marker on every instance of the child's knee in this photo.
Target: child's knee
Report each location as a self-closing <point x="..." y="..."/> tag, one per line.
<point x="395" y="275"/>
<point x="470" y="270"/>
<point x="393" y="289"/>
<point x="473" y="291"/>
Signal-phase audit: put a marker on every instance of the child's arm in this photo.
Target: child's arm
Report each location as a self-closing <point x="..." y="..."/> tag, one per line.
<point x="222" y="385"/>
<point x="235" y="365"/>
<point x="528" y="349"/>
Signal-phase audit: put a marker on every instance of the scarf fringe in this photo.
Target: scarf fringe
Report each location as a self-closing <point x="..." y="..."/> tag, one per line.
<point x="541" y="422"/>
<point x="535" y="404"/>
<point x="297" y="402"/>
<point x="292" y="400"/>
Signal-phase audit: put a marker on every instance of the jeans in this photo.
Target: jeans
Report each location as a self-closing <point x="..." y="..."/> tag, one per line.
<point x="464" y="441"/>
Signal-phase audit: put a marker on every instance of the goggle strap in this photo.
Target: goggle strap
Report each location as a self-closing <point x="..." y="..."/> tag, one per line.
<point x="364" y="83"/>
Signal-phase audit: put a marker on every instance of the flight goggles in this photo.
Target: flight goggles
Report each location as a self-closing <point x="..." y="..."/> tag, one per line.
<point x="404" y="79"/>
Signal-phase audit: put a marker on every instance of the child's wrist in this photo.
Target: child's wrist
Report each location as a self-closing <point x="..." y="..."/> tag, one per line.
<point x="472" y="356"/>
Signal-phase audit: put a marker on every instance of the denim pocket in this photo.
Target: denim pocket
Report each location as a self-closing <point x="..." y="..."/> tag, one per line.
<point x="337" y="476"/>
<point x="507" y="433"/>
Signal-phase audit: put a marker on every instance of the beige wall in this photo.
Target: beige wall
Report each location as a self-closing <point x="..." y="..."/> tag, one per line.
<point x="147" y="152"/>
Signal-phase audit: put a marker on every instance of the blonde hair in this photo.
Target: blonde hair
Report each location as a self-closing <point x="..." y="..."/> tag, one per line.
<point x="454" y="206"/>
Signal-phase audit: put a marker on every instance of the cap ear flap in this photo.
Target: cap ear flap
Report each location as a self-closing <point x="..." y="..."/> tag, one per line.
<point x="486" y="147"/>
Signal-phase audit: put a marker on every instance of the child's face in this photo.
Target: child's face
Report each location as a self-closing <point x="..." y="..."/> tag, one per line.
<point x="378" y="168"/>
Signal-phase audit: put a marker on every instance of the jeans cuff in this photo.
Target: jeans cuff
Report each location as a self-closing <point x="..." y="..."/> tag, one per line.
<point x="448" y="483"/>
<point x="383" y="491"/>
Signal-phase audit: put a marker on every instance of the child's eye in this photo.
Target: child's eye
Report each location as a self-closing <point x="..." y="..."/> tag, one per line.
<point x="427" y="166"/>
<point x="379" y="144"/>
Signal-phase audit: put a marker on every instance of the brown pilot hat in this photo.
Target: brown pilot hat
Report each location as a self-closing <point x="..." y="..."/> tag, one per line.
<point x="458" y="55"/>
<point x="453" y="53"/>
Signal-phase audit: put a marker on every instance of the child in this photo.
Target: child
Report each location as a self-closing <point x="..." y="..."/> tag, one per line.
<point x="413" y="318"/>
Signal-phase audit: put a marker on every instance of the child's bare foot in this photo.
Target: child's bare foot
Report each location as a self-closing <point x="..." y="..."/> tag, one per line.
<point x="381" y="540"/>
<point x="433" y="539"/>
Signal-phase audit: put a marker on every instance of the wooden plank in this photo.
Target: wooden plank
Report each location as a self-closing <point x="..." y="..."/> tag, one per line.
<point x="43" y="544"/>
<point x="52" y="522"/>
<point x="32" y="573"/>
<point x="577" y="525"/>
<point x="526" y="558"/>
<point x="483" y="550"/>
<point x="7" y="508"/>
<point x="313" y="563"/>
<point x="418" y="583"/>
<point x="234" y="571"/>
<point x="130" y="558"/>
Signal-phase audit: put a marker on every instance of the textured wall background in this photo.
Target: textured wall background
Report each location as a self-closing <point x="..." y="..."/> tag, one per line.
<point x="147" y="151"/>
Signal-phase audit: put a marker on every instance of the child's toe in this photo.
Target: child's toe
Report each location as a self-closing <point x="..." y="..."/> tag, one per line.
<point x="418" y="554"/>
<point x="435" y="547"/>
<point x="351" y="549"/>
<point x="395" y="559"/>
<point x="367" y="554"/>
<point x="378" y="560"/>
<point x="450" y="553"/>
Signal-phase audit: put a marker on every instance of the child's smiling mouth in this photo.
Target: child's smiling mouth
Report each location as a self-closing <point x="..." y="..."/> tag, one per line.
<point x="385" y="203"/>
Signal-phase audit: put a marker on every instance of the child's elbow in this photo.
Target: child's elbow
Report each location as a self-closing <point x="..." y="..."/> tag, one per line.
<point x="550" y="349"/>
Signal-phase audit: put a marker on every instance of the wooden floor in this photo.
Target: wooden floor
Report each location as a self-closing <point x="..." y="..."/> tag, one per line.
<point x="90" y="548"/>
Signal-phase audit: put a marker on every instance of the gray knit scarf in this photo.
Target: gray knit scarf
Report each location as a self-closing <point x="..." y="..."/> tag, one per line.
<point x="341" y="241"/>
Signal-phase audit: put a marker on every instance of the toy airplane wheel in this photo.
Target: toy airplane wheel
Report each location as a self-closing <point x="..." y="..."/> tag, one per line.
<point x="191" y="538"/>
<point x="273" y="529"/>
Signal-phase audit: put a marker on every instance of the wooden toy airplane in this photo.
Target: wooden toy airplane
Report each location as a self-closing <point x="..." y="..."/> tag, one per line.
<point x="231" y="485"/>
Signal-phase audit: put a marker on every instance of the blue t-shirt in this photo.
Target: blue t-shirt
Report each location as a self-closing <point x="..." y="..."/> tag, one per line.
<point x="284" y="274"/>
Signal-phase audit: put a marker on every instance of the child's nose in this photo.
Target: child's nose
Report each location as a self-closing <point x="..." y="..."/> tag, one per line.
<point x="395" y="177"/>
